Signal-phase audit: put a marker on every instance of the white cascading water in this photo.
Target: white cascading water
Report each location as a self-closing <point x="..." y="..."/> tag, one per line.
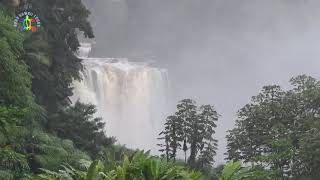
<point x="130" y="97"/>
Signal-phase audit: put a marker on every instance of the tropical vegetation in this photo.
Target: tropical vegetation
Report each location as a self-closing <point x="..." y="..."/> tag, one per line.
<point x="44" y="136"/>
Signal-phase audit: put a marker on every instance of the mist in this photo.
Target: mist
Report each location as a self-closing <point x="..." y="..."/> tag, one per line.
<point x="219" y="52"/>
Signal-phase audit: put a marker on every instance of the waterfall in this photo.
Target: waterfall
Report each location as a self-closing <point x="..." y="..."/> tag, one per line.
<point x="131" y="97"/>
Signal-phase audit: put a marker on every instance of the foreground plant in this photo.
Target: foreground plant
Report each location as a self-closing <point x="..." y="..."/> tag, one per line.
<point x="140" y="166"/>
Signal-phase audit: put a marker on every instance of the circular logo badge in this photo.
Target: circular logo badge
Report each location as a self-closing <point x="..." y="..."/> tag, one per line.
<point x="27" y="21"/>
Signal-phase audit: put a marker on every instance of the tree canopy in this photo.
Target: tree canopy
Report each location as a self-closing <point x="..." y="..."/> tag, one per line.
<point x="191" y="128"/>
<point x="274" y="129"/>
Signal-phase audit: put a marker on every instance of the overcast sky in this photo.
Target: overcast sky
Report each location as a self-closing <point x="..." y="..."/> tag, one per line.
<point x="217" y="51"/>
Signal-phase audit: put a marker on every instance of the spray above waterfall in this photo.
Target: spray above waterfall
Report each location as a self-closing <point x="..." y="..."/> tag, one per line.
<point x="130" y="97"/>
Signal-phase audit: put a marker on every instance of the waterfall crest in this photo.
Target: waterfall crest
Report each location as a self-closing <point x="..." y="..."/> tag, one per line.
<point x="130" y="97"/>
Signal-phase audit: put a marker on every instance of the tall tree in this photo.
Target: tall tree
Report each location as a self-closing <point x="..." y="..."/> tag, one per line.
<point x="172" y="136"/>
<point x="79" y="124"/>
<point x="165" y="147"/>
<point x="51" y="50"/>
<point x="207" y="144"/>
<point x="193" y="127"/>
<point x="275" y="127"/>
<point x="186" y="113"/>
<point x="257" y="124"/>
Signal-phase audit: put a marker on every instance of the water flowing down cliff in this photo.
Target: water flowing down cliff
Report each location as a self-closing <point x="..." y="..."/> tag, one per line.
<point x="130" y="97"/>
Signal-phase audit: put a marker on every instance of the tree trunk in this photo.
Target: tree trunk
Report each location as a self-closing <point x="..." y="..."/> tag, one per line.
<point x="192" y="158"/>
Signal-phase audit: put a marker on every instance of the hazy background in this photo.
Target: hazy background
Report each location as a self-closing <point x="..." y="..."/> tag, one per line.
<point x="217" y="51"/>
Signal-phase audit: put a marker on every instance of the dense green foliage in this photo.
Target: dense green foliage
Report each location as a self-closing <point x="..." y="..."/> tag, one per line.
<point x="15" y="80"/>
<point x="139" y="166"/>
<point x="279" y="129"/>
<point x="35" y="89"/>
<point x="51" y="51"/>
<point x="234" y="170"/>
<point x="78" y="124"/>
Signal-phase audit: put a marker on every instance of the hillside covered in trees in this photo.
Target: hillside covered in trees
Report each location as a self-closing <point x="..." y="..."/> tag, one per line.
<point x="43" y="135"/>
